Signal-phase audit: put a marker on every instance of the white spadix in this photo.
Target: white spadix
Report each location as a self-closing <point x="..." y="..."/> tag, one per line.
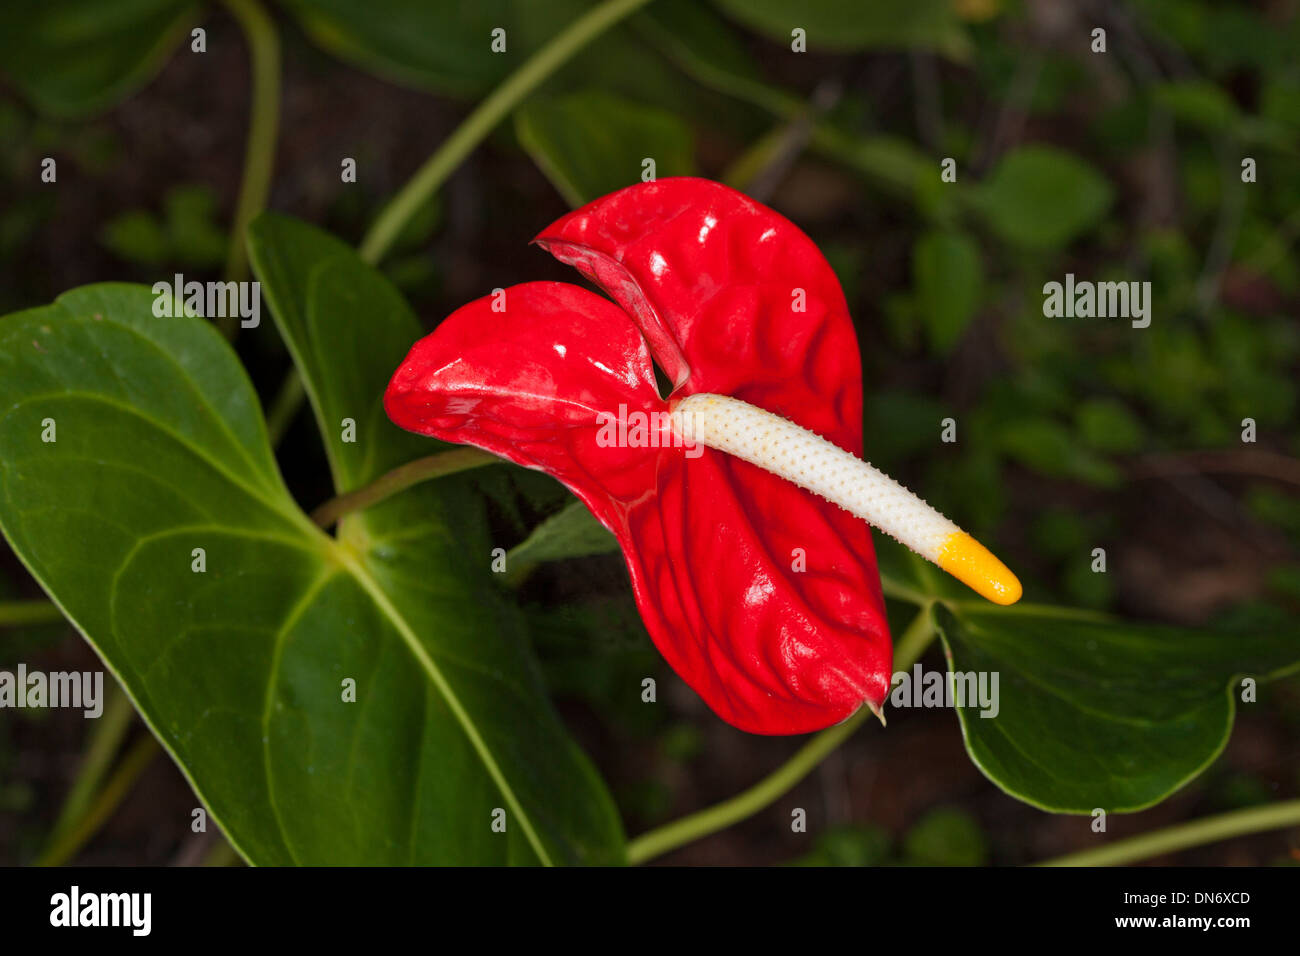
<point x="780" y="446"/>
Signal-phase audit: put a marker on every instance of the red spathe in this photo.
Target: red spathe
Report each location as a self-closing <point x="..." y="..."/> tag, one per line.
<point x="764" y="598"/>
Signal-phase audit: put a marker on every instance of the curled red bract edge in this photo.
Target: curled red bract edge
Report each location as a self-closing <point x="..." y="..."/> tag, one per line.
<point x="764" y="598"/>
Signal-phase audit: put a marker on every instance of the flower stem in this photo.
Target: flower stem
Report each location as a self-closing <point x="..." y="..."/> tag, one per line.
<point x="263" y="126"/>
<point x="1224" y="826"/>
<point x="135" y="762"/>
<point x="21" y="613"/>
<point x="105" y="738"/>
<point x="892" y="587"/>
<point x="485" y="117"/>
<point x="908" y="650"/>
<point x="399" y="479"/>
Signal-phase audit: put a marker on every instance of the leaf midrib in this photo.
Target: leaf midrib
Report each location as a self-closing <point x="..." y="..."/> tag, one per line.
<point x="439" y="680"/>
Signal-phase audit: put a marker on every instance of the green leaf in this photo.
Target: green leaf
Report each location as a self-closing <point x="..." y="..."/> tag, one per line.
<point x="848" y="845"/>
<point x="1098" y="712"/>
<point x="597" y="650"/>
<point x="347" y="329"/>
<point x="949" y="279"/>
<point x="1049" y="448"/>
<point x="852" y="25"/>
<point x="136" y="236"/>
<point x="890" y="160"/>
<point x="707" y="50"/>
<point x="1108" y="426"/>
<point x="1042" y="197"/>
<point x="191" y="213"/>
<point x="572" y="532"/>
<point x="590" y="143"/>
<point x="240" y="669"/>
<point x="1198" y="103"/>
<point x="446" y="47"/>
<point x="74" y="57"/>
<point x="705" y="46"/>
<point x="188" y="237"/>
<point x="946" y="836"/>
<point x="900" y="424"/>
<point x="440" y="46"/>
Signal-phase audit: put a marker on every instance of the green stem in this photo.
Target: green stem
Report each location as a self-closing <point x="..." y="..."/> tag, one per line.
<point x="21" y="613"/>
<point x="399" y="479"/>
<point x="896" y="589"/>
<point x="284" y="407"/>
<point x="263" y="125"/>
<point x="909" y="648"/>
<point x="108" y="733"/>
<point x="485" y="117"/>
<point x="1224" y="826"/>
<point x="750" y="165"/>
<point x="119" y="785"/>
<point x="915" y="639"/>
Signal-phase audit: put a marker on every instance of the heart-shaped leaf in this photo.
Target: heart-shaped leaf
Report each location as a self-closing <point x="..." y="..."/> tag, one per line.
<point x="347" y="328"/>
<point x="73" y="57"/>
<point x="1093" y="712"/>
<point x="350" y="701"/>
<point x="590" y="144"/>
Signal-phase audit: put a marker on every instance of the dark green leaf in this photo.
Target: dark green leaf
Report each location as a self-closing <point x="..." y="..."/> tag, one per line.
<point x="900" y="424"/>
<point x="708" y="50"/>
<point x="1095" y="712"/>
<point x="590" y="143"/>
<point x="946" y="836"/>
<point x="188" y="237"/>
<point x="441" y="46"/>
<point x="136" y="236"/>
<point x="348" y="329"/>
<point x="240" y="669"/>
<point x="853" y="25"/>
<point x="573" y="532"/>
<point x="447" y="47"/>
<point x="73" y="57"/>
<point x="949" y="279"/>
<point x="890" y="160"/>
<point x="1108" y="426"/>
<point x="1050" y="448"/>
<point x="1198" y="103"/>
<point x="848" y="846"/>
<point x="1042" y="197"/>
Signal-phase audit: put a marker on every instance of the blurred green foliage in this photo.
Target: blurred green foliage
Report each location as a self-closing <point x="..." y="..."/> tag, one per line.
<point x="945" y="836"/>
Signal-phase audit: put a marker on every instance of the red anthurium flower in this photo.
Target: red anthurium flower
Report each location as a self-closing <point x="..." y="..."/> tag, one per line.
<point x="765" y="598"/>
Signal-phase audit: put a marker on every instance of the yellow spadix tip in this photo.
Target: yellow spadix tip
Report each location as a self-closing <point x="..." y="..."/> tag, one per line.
<point x="975" y="566"/>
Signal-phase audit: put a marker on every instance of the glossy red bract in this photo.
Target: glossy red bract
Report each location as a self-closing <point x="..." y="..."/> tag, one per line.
<point x="764" y="598"/>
